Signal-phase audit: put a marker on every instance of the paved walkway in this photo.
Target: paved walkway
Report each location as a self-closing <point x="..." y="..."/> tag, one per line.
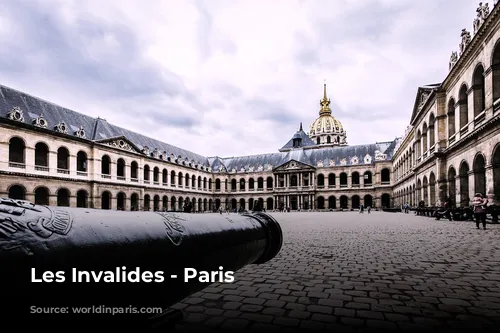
<point x="346" y="271"/>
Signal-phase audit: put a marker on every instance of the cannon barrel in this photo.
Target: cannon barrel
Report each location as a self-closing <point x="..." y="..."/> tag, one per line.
<point x="121" y="259"/>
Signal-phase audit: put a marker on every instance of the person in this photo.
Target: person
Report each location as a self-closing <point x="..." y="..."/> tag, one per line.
<point x="407" y="208"/>
<point x="479" y="209"/>
<point x="361" y="209"/>
<point x="448" y="205"/>
<point x="220" y="210"/>
<point x="369" y="209"/>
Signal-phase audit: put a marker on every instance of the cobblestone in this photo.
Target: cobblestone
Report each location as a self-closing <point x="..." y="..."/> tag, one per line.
<point x="358" y="272"/>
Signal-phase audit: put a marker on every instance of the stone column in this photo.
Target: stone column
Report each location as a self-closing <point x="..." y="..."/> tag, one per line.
<point x="489" y="76"/>
<point x="458" y="199"/>
<point x="490" y="192"/>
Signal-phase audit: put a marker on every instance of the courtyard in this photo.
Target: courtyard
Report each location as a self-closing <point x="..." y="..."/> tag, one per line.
<point x="346" y="271"/>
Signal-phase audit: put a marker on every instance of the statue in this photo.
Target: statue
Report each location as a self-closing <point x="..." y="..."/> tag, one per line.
<point x="482" y="13"/>
<point x="466" y="38"/>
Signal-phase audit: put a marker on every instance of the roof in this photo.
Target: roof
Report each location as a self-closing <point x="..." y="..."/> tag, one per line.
<point x="96" y="129"/>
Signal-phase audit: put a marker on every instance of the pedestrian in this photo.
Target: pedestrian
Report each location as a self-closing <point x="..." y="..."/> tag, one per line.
<point x="479" y="208"/>
<point x="369" y="209"/>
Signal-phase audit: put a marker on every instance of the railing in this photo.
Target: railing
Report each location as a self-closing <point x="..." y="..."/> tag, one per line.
<point x="156" y="183"/>
<point x="120" y="177"/>
<point x="17" y="165"/>
<point x="146" y="181"/>
<point x="65" y="171"/>
<point x="41" y="168"/>
<point x="82" y="173"/>
<point x="135" y="180"/>
<point x="106" y="176"/>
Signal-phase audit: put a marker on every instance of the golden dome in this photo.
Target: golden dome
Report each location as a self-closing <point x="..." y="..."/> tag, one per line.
<point x="325" y="123"/>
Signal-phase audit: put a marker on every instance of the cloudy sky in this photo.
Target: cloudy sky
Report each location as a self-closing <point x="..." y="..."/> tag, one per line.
<point x="232" y="77"/>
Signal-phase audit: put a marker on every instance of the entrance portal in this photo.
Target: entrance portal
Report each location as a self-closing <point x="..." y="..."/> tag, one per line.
<point x="293" y="202"/>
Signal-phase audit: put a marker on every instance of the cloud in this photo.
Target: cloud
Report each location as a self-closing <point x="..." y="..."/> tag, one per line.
<point x="224" y="77"/>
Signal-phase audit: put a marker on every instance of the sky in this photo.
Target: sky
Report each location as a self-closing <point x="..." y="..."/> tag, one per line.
<point x="232" y="77"/>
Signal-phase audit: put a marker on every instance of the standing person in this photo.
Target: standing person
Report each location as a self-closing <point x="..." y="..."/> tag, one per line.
<point x="448" y="206"/>
<point x="220" y="210"/>
<point x="369" y="209"/>
<point x="479" y="204"/>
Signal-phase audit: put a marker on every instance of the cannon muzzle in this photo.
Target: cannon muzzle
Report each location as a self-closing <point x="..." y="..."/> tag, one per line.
<point x="108" y="266"/>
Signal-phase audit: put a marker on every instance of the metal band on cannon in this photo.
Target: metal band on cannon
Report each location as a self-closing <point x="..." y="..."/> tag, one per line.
<point x="47" y="238"/>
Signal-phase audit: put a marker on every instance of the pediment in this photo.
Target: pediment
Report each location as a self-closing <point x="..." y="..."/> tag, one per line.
<point x="122" y="143"/>
<point x="293" y="165"/>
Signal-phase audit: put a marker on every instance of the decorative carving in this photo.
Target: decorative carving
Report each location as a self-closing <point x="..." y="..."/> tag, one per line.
<point x="40" y="122"/>
<point x="121" y="144"/>
<point x="453" y="59"/>
<point x="343" y="161"/>
<point x="251" y="169"/>
<point x="146" y="150"/>
<point x="482" y="14"/>
<point x="18" y="217"/>
<point x="175" y="230"/>
<point x="354" y="160"/>
<point x="156" y="153"/>
<point x="242" y="169"/>
<point x="61" y="128"/>
<point x="320" y="164"/>
<point x="269" y="167"/>
<point x="233" y="170"/>
<point x="260" y="168"/>
<point x="367" y="159"/>
<point x="331" y="163"/>
<point x="164" y="155"/>
<point x="80" y="133"/>
<point x="16" y="114"/>
<point x="379" y="156"/>
<point x="466" y="39"/>
<point x="423" y="99"/>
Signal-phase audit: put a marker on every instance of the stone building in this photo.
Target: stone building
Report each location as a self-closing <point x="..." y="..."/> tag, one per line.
<point x="52" y="155"/>
<point x="451" y="147"/>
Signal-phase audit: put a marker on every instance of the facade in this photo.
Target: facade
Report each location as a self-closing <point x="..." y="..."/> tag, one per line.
<point x="53" y="155"/>
<point x="451" y="148"/>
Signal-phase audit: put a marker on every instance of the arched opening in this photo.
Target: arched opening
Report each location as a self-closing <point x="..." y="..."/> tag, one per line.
<point x="463" y="106"/>
<point x="106" y="200"/>
<point x="432" y="132"/>
<point x="234" y="204"/>
<point x="164" y="177"/>
<point x="418" y="143"/>
<point x="156" y="175"/>
<point x="200" y="186"/>
<point x="211" y="205"/>
<point x="63" y="197"/>
<point x="328" y="139"/>
<point x="260" y="204"/>
<point x="180" y="180"/>
<point x="385" y="176"/>
<point x="205" y="205"/>
<point x="478" y="90"/>
<point x="200" y="205"/>
<point x="293" y="180"/>
<point x="121" y="201"/>
<point x="344" y="202"/>
<point x="452" y="188"/>
<point x="81" y="161"/>
<point x="464" y="184"/>
<point x="217" y="203"/>
<point x="424" y="138"/>
<point x="106" y="165"/>
<point x="251" y="184"/>
<point x="82" y="199"/>
<point x="172" y="178"/>
<point x="331" y="180"/>
<point x="269" y="204"/>
<point x="156" y="203"/>
<point x="479" y="174"/>
<point x="217" y="184"/>
<point x="495" y="66"/>
<point x="419" y="191"/>
<point x="386" y="200"/>
<point x="173" y="204"/>
<point x="332" y="202"/>
<point x="260" y="183"/>
<point x="134" y="170"/>
<point x="180" y="204"/>
<point x="62" y="158"/>
<point x="321" y="202"/>
<point x="250" y="204"/>
<point x="147" y="202"/>
<point x="187" y="180"/>
<point x="269" y="183"/>
<point x="42" y="196"/>
<point x="495" y="161"/>
<point x="242" y="184"/>
<point x="120" y="168"/>
<point x="16" y="152"/>
<point x="451" y="117"/>
<point x="355" y="179"/>
<point x="318" y="141"/>
<point x="17" y="192"/>
<point x="42" y="155"/>
<point x="146" y="173"/>
<point x="355" y="201"/>
<point x="134" y="202"/>
<point x="367" y="178"/>
<point x="205" y="184"/>
<point x="368" y="200"/>
<point x="425" y="190"/>
<point x="321" y="180"/>
<point x="193" y="182"/>
<point x="432" y="189"/>
<point x="343" y="179"/>
<point x="233" y="185"/>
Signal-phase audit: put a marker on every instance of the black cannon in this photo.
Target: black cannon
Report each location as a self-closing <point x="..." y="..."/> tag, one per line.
<point x="56" y="258"/>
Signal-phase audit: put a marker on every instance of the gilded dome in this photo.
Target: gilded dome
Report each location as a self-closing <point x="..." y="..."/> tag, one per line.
<point x="326" y="124"/>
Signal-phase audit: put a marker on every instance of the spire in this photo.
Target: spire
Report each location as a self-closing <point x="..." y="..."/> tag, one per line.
<point x="325" y="103"/>
<point x="300" y="129"/>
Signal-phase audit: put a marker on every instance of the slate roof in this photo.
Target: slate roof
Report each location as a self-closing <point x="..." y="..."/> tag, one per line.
<point x="97" y="129"/>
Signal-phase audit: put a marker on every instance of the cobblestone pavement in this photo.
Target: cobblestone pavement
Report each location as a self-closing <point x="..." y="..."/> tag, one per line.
<point x="346" y="271"/>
